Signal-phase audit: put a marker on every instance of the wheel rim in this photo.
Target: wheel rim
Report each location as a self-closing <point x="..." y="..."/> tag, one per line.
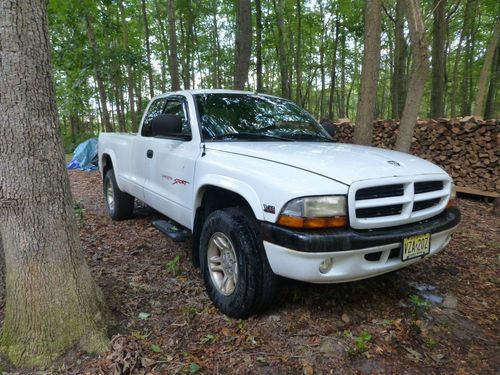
<point x="110" y="196"/>
<point x="222" y="263"/>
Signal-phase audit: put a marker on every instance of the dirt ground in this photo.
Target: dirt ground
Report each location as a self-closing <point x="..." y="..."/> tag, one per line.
<point x="439" y="316"/>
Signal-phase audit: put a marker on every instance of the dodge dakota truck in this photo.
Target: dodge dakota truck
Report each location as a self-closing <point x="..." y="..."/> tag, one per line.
<point x="264" y="191"/>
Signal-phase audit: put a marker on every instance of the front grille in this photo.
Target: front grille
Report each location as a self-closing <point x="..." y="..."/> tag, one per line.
<point x="427" y="186"/>
<point x="401" y="200"/>
<point x="364" y="213"/>
<point x="384" y="191"/>
<point x="422" y="205"/>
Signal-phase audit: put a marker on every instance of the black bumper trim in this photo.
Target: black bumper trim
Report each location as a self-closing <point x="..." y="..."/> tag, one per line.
<point x="329" y="240"/>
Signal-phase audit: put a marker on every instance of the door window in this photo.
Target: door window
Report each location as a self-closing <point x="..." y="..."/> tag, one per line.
<point x="178" y="107"/>
<point x="155" y="109"/>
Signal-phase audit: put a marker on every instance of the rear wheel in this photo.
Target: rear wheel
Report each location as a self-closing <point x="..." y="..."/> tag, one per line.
<point x="119" y="204"/>
<point x="237" y="275"/>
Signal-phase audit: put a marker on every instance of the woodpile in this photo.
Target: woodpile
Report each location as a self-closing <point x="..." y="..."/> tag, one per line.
<point x="467" y="148"/>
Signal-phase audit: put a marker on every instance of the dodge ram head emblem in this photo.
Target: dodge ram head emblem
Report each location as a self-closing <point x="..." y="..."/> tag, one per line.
<point x="395" y="163"/>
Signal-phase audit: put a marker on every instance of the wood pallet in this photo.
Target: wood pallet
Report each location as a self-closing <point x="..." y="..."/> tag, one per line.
<point x="488" y="195"/>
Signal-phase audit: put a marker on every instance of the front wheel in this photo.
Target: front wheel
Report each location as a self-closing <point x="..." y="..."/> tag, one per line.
<point x="237" y="275"/>
<point x="119" y="204"/>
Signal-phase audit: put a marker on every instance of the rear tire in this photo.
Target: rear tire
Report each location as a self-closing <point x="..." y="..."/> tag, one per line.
<point x="237" y="275"/>
<point x="120" y="205"/>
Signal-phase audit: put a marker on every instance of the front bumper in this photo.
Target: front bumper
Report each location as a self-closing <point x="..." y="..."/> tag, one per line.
<point x="356" y="255"/>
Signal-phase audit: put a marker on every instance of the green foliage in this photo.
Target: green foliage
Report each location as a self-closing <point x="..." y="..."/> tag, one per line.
<point x="360" y="342"/>
<point x="419" y="301"/>
<point x="173" y="266"/>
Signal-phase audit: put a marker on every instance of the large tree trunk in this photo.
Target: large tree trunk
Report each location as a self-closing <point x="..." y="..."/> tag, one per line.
<point x="52" y="303"/>
<point x="399" y="74"/>
<point x="369" y="74"/>
<point x="173" y="64"/>
<point x="243" y="43"/>
<point x="130" y="75"/>
<point x="258" y="44"/>
<point x="281" y="48"/>
<point x="482" y="87"/>
<point x="98" y="74"/>
<point x="418" y="75"/>
<point x="438" y="59"/>
<point x="148" y="48"/>
<point x="492" y="105"/>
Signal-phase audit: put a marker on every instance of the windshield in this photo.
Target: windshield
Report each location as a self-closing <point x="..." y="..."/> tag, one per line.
<point x="255" y="117"/>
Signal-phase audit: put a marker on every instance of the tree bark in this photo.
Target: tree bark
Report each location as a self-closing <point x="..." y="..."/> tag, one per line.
<point x="243" y="43"/>
<point x="130" y="76"/>
<point x="281" y="48"/>
<point x="418" y="75"/>
<point x="399" y="73"/>
<point x="369" y="74"/>
<point x="52" y="303"/>
<point x="98" y="74"/>
<point x="298" y="54"/>
<point x="438" y="59"/>
<point x="491" y="102"/>
<point x="482" y="87"/>
<point x="258" y="44"/>
<point x="173" y="63"/>
<point x="333" y="68"/>
<point x="148" y="48"/>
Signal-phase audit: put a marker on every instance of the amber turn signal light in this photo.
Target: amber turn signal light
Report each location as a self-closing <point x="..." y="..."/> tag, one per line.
<point x="312" y="222"/>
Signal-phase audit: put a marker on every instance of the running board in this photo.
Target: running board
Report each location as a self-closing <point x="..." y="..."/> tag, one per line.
<point x="172" y="230"/>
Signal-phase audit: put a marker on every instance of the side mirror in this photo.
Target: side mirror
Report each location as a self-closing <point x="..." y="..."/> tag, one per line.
<point x="166" y="126"/>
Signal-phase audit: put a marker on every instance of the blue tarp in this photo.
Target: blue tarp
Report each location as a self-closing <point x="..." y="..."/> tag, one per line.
<point x="83" y="156"/>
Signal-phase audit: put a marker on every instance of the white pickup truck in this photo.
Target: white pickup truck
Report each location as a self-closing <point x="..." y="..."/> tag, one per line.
<point x="265" y="191"/>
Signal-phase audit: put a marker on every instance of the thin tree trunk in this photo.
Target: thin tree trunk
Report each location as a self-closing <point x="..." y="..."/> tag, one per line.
<point x="258" y="44"/>
<point x="217" y="83"/>
<point x="52" y="303"/>
<point x="298" y="54"/>
<point x="148" y="48"/>
<point x="173" y="63"/>
<point x="333" y="68"/>
<point x="243" y="43"/>
<point x="492" y="106"/>
<point x="438" y="59"/>
<point x="398" y="87"/>
<point x="369" y="74"/>
<point x="164" y="45"/>
<point x="130" y="76"/>
<point x="418" y="75"/>
<point x="281" y="48"/>
<point x="341" y="93"/>
<point x="321" y="61"/>
<point x="97" y="73"/>
<point x="466" y="86"/>
<point x="484" y="78"/>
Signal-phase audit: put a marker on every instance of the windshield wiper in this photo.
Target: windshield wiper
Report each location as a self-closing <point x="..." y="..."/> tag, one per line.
<point x="309" y="137"/>
<point x="248" y="136"/>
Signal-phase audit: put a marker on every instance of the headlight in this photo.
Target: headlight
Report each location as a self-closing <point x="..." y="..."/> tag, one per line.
<point x="314" y="212"/>
<point x="453" y="196"/>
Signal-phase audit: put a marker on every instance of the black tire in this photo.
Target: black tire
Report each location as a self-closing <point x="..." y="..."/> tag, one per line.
<point x="256" y="283"/>
<point x="123" y="203"/>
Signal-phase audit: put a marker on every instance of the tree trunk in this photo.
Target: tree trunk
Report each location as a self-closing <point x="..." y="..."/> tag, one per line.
<point x="482" y="88"/>
<point x="322" y="62"/>
<point x="399" y="74"/>
<point x="52" y="303"/>
<point x="438" y="59"/>
<point x="418" y="75"/>
<point x="173" y="64"/>
<point x="298" y="54"/>
<point x="492" y="106"/>
<point x="258" y="44"/>
<point x="148" y="48"/>
<point x="217" y="82"/>
<point x="2" y="274"/>
<point x="466" y="86"/>
<point x="281" y="48"/>
<point x="243" y="43"/>
<point x="333" y="68"/>
<point x="130" y="76"/>
<point x="97" y="73"/>
<point x="369" y="74"/>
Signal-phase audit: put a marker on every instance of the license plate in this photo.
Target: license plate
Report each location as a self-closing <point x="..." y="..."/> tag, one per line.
<point x="416" y="246"/>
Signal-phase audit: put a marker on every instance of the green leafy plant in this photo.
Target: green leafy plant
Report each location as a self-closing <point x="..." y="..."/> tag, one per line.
<point x="173" y="266"/>
<point x="419" y="301"/>
<point x="360" y="342"/>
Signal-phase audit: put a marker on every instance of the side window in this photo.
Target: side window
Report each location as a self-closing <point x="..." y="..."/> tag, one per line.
<point x="155" y="109"/>
<point x="178" y="107"/>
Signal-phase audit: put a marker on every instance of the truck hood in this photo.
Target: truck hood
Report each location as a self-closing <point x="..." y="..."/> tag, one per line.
<point x="345" y="163"/>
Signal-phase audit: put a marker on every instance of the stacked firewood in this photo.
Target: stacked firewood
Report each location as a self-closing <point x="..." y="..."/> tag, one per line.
<point x="467" y="148"/>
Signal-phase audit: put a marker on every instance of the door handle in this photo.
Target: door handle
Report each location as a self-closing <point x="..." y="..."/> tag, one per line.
<point x="149" y="154"/>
